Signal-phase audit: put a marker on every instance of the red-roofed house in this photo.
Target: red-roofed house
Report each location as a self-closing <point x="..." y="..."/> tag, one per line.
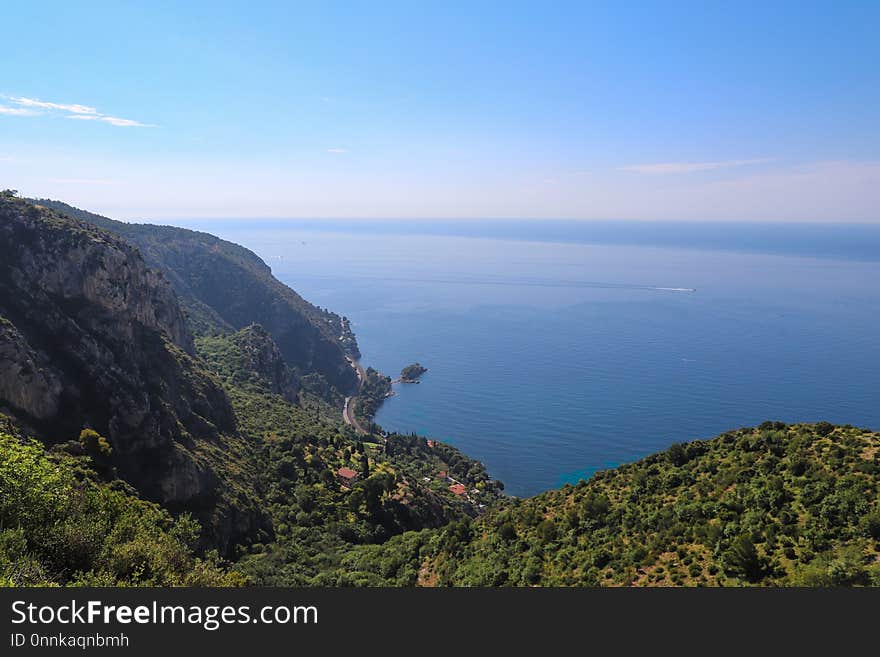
<point x="458" y="489"/>
<point x="346" y="476"/>
<point x="431" y="444"/>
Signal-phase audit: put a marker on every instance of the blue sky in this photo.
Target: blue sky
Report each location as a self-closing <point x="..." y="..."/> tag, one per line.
<point x="696" y="111"/>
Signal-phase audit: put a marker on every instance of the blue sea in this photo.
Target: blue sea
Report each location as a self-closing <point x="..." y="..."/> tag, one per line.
<point x="559" y="348"/>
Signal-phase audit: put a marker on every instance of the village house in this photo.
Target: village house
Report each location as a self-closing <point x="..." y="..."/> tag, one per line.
<point x="458" y="489"/>
<point x="346" y="476"/>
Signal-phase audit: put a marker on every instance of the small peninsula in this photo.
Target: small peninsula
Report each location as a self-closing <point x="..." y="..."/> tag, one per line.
<point x="411" y="373"/>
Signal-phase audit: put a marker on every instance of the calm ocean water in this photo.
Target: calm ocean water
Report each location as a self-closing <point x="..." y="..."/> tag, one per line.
<point x="558" y="349"/>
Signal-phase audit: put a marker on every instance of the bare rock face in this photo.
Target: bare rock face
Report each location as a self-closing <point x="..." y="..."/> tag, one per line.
<point x="93" y="337"/>
<point x="224" y="287"/>
<point x="80" y="266"/>
<point x="26" y="382"/>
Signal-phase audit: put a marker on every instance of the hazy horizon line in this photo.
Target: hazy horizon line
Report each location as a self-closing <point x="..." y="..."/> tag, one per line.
<point x="464" y="220"/>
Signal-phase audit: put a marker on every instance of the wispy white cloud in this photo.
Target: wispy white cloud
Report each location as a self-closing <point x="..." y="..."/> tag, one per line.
<point x="337" y="150"/>
<point x="125" y="123"/>
<point x="112" y="120"/>
<point x="17" y="111"/>
<point x="34" y="107"/>
<point x="33" y="102"/>
<point x="688" y="167"/>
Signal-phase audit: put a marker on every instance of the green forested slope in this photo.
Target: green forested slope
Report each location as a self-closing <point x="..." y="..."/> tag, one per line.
<point x="783" y="505"/>
<point x="317" y="518"/>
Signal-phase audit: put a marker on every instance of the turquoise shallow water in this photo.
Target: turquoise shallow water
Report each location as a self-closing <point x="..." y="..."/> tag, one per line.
<point x="549" y="360"/>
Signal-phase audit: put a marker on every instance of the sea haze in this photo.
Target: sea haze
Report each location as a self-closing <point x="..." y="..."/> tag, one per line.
<point x="558" y="349"/>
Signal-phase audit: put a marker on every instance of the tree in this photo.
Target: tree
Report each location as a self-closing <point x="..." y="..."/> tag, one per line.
<point x="742" y="560"/>
<point x="596" y="506"/>
<point x="677" y="454"/>
<point x="847" y="569"/>
<point x="547" y="531"/>
<point x="94" y="443"/>
<point x="507" y="531"/>
<point x="355" y="499"/>
<point x="798" y="466"/>
<point x="824" y="428"/>
<point x="327" y="477"/>
<point x="365" y="465"/>
<point x="305" y="498"/>
<point x="872" y="525"/>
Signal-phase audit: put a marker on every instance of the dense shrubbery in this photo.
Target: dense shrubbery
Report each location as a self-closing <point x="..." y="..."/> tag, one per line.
<point x="782" y="505"/>
<point x="59" y="526"/>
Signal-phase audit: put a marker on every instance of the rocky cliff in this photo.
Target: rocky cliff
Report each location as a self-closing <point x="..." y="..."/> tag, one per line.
<point x="92" y="337"/>
<point x="225" y="287"/>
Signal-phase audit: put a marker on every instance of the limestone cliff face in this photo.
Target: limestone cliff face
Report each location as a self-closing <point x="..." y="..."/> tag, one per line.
<point x="225" y="287"/>
<point x="93" y="337"/>
<point x="26" y="380"/>
<point x="74" y="265"/>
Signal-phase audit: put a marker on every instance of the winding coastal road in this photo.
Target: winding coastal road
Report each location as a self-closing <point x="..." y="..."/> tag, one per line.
<point x="348" y="409"/>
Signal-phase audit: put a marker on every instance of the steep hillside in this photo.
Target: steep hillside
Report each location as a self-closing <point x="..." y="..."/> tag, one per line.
<point x="776" y="505"/>
<point x="93" y="338"/>
<point x="305" y="455"/>
<point x="225" y="287"/>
